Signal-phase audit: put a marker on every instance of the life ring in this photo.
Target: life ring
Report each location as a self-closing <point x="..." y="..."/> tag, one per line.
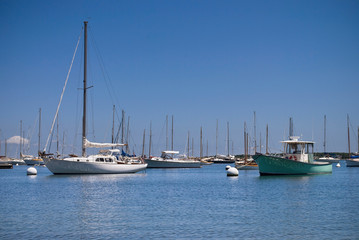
<point x="293" y="157"/>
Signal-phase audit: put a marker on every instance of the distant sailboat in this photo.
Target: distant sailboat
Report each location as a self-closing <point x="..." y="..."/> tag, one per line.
<point x="327" y="157"/>
<point x="31" y="160"/>
<point x="353" y="160"/>
<point x="106" y="162"/>
<point x="170" y="158"/>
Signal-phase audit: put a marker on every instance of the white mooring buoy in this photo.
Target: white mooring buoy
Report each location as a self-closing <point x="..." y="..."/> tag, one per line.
<point x="231" y="171"/>
<point x="31" y="171"/>
<point x="338" y="164"/>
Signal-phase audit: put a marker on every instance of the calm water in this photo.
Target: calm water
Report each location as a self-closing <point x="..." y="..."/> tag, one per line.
<point x="179" y="203"/>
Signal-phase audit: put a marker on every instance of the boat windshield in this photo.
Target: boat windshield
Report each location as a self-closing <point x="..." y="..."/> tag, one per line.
<point x="299" y="148"/>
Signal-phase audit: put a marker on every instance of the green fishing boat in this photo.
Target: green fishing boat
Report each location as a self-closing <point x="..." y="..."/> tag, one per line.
<point x="297" y="160"/>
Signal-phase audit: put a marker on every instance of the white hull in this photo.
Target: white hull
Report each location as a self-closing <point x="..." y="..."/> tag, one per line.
<point x="169" y="163"/>
<point x="352" y="163"/>
<point x="328" y="159"/>
<point x="63" y="166"/>
<point x="31" y="162"/>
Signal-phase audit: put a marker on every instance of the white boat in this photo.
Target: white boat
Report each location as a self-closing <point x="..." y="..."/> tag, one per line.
<point x="353" y="160"/>
<point x="31" y="161"/>
<point x="169" y="159"/>
<point x="248" y="164"/>
<point x="105" y="162"/>
<point x="328" y="159"/>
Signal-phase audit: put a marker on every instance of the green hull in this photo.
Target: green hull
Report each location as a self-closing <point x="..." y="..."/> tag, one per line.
<point x="269" y="165"/>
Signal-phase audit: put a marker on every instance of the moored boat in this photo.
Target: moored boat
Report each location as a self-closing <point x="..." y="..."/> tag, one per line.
<point x="169" y="159"/>
<point x="297" y="159"/>
<point x="102" y="163"/>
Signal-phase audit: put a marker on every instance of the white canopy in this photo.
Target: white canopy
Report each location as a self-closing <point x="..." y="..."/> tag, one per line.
<point x="89" y="144"/>
<point x="171" y="152"/>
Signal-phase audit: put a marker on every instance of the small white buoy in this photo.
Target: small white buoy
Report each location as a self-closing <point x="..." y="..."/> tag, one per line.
<point x="17" y="164"/>
<point x="31" y="171"/>
<point x="231" y="171"/>
<point x="338" y="164"/>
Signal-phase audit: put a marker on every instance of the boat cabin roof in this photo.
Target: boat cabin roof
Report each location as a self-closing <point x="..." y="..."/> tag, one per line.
<point x="295" y="140"/>
<point x="170" y="152"/>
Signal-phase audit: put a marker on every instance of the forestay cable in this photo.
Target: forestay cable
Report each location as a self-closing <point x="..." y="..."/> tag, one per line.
<point x="62" y="94"/>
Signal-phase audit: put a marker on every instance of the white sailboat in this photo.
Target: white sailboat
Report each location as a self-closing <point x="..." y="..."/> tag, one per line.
<point x="353" y="160"/>
<point x="106" y="162"/>
<point x="170" y="158"/>
<point x="326" y="157"/>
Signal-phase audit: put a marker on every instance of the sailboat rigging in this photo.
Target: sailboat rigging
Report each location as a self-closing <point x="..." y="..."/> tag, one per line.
<point x="106" y="162"/>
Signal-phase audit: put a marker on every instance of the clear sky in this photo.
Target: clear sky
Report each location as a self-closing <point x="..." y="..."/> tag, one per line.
<point x="196" y="60"/>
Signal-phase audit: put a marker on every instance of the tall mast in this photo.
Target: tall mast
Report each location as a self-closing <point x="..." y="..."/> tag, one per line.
<point x="267" y="140"/>
<point x="245" y="141"/>
<point x="192" y="146"/>
<point x="20" y="137"/>
<point x="188" y="145"/>
<point x="358" y="139"/>
<point x="143" y="143"/>
<point x="113" y="124"/>
<point x="325" y="132"/>
<point x="260" y="142"/>
<point x="57" y="135"/>
<point x="227" y="138"/>
<point x="217" y="138"/>
<point x="255" y="135"/>
<point x="172" y="135"/>
<point x="85" y="89"/>
<point x="123" y="127"/>
<point x="5" y="147"/>
<point x="38" y="151"/>
<point x="348" y="137"/>
<point x="200" y="145"/>
<point x="166" y="132"/>
<point x="149" y="151"/>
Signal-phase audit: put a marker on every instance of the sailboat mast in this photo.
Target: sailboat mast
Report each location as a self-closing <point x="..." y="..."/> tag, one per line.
<point x="192" y="147"/>
<point x="20" y="137"/>
<point x="228" y="139"/>
<point x="85" y="89"/>
<point x="188" y="145"/>
<point x="217" y="138"/>
<point x="127" y="134"/>
<point x="166" y="132"/>
<point x="57" y="136"/>
<point x="172" y="135"/>
<point x="200" y="145"/>
<point x="149" y="149"/>
<point x="348" y="137"/>
<point x="143" y="143"/>
<point x="267" y="140"/>
<point x="38" y="151"/>
<point x="113" y="124"/>
<point x="245" y="142"/>
<point x="255" y="135"/>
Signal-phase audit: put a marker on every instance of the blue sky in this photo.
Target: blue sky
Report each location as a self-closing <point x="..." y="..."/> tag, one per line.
<point x="197" y="60"/>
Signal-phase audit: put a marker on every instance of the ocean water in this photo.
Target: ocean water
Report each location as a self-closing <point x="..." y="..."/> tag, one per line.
<point x="179" y="204"/>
